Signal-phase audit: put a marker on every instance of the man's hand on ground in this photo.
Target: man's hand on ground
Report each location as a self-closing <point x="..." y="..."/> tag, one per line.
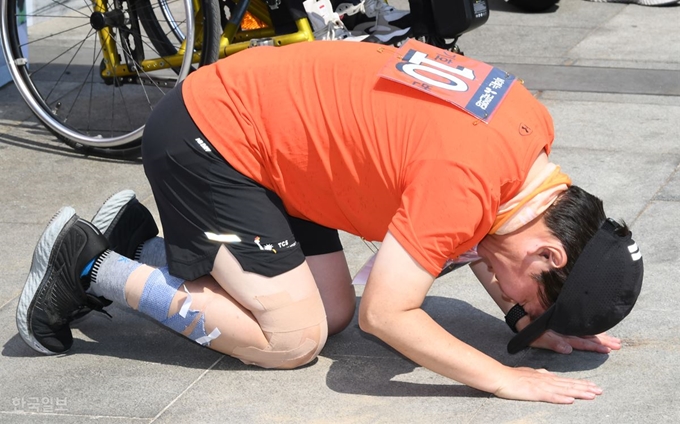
<point x="541" y="385"/>
<point x="601" y="343"/>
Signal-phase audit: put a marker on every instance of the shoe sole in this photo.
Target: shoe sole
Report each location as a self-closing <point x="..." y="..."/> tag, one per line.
<point x="40" y="272"/>
<point x="109" y="211"/>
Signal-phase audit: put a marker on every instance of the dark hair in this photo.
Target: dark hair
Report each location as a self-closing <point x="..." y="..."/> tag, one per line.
<point x="574" y="218"/>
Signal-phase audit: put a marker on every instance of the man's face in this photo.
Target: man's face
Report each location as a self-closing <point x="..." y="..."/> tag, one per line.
<point x="514" y="263"/>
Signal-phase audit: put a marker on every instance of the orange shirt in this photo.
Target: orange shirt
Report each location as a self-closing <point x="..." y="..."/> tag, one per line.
<point x="349" y="150"/>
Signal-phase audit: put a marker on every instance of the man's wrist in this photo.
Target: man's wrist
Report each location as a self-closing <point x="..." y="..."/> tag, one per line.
<point x="523" y="322"/>
<point x="513" y="316"/>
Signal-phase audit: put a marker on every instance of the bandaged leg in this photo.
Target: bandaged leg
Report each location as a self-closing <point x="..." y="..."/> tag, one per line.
<point x="152" y="252"/>
<point x="296" y="331"/>
<point x="110" y="273"/>
<point x="157" y="298"/>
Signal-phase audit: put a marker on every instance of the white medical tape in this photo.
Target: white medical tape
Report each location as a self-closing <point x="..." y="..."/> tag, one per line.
<point x="206" y="339"/>
<point x="187" y="303"/>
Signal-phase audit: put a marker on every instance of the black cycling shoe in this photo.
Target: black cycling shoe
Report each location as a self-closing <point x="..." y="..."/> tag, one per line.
<point x="125" y="222"/>
<point x="54" y="293"/>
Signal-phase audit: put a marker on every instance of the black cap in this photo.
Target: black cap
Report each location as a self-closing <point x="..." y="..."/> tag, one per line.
<point x="599" y="292"/>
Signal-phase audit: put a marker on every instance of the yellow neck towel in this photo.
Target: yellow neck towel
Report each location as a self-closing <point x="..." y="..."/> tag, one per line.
<point x="532" y="200"/>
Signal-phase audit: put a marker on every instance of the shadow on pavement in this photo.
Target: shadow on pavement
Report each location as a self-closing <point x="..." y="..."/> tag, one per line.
<point x="54" y="146"/>
<point x="128" y="335"/>
<point x="361" y="363"/>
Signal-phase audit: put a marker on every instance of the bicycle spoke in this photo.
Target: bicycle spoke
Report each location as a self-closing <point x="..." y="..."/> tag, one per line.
<point x="80" y="89"/>
<point x="52" y="35"/>
<point x="35" y="71"/>
<point x="66" y="93"/>
<point x="70" y="8"/>
<point x="138" y="67"/>
<point x="95" y="50"/>
<point x="88" y="5"/>
<point x="67" y="66"/>
<point x="122" y="96"/>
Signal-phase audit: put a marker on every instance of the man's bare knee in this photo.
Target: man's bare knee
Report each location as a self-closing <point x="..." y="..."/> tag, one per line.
<point x="296" y="331"/>
<point x="286" y="350"/>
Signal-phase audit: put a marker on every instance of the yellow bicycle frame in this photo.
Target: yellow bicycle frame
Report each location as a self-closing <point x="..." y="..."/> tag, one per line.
<point x="233" y="40"/>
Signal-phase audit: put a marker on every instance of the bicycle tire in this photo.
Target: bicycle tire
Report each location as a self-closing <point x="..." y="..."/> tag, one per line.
<point x="212" y="32"/>
<point x="159" y="37"/>
<point x="61" y="84"/>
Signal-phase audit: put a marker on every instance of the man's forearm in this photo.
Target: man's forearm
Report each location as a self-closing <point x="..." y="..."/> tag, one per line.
<point x="417" y="336"/>
<point x="488" y="280"/>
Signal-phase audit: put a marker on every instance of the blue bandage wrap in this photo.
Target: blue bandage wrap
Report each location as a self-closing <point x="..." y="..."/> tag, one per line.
<point x="156" y="300"/>
<point x="199" y="331"/>
<point x="180" y="323"/>
<point x="158" y="293"/>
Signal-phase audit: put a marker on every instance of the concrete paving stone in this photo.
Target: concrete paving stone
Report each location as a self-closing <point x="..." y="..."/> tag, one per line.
<point x="545" y="45"/>
<point x="657" y="233"/>
<point x="112" y="369"/>
<point x="610" y="36"/>
<point x="354" y="389"/>
<point x="24" y="415"/>
<point x="512" y="36"/>
<point x="631" y="62"/>
<point x="671" y="190"/>
<point x="12" y="282"/>
<point x="16" y="247"/>
<point x="626" y="125"/>
<point x="648" y="34"/>
<point x="596" y="79"/>
<point x="656" y="306"/>
<point x="570" y="96"/>
<point x="625" y="181"/>
<point x="639" y="386"/>
<point x="567" y="13"/>
<point x="12" y="107"/>
<point x="65" y="177"/>
<point x="653" y="317"/>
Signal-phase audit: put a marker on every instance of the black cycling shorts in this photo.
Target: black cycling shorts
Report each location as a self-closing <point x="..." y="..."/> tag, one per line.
<point x="205" y="203"/>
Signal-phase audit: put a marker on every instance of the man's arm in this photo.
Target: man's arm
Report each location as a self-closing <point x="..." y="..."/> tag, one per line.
<point x="488" y="280"/>
<point x="550" y="340"/>
<point x="390" y="309"/>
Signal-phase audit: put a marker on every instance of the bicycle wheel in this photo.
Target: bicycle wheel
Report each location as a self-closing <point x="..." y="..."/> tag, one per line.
<point x="89" y="70"/>
<point x="165" y="31"/>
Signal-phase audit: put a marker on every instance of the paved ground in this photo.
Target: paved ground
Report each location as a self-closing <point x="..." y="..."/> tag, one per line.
<point x="609" y="73"/>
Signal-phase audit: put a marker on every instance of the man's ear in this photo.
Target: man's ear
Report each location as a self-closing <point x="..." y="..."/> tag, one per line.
<point x="553" y="254"/>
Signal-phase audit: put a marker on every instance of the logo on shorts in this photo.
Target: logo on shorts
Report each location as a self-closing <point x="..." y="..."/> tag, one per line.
<point x="280" y="245"/>
<point x="202" y="144"/>
<point x="267" y="246"/>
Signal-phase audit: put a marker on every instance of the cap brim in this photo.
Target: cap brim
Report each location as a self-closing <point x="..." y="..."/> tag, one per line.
<point x="531" y="332"/>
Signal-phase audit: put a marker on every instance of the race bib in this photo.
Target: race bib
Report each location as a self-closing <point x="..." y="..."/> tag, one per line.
<point x="473" y="86"/>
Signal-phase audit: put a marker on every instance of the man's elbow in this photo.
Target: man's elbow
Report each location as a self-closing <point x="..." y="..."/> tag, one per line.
<point x="371" y="319"/>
